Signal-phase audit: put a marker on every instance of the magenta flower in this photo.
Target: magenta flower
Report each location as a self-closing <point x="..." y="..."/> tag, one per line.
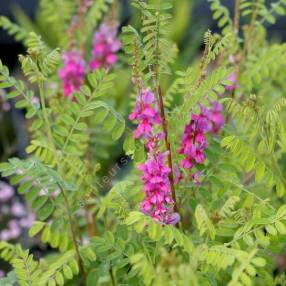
<point x="158" y="202"/>
<point x="232" y="78"/>
<point x="72" y="73"/>
<point x="105" y="46"/>
<point x="146" y="113"/>
<point x="194" y="141"/>
<point x="214" y="116"/>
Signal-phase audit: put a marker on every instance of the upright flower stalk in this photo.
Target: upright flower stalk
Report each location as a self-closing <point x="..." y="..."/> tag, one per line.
<point x="66" y="202"/>
<point x="105" y="46"/>
<point x="168" y="147"/>
<point x="158" y="202"/>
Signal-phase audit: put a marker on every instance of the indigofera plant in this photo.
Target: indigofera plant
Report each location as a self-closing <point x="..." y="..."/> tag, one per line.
<point x="199" y="199"/>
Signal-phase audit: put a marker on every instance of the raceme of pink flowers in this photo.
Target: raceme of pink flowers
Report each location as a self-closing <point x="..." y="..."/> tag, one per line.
<point x="158" y="202"/>
<point x="72" y="73"/>
<point x="194" y="141"/>
<point x="105" y="45"/>
<point x="214" y="115"/>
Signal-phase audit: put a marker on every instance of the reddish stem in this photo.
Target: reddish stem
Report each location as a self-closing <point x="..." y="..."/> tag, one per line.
<point x="168" y="146"/>
<point x="90" y="220"/>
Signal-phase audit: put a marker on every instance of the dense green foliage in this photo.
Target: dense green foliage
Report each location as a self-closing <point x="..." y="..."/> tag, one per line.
<point x="232" y="227"/>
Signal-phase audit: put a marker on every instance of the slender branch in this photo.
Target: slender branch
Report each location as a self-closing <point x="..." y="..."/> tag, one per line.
<point x="112" y="276"/>
<point x="67" y="206"/>
<point x="45" y="114"/>
<point x="236" y="17"/>
<point x="90" y="220"/>
<point x="168" y="146"/>
<point x="81" y="13"/>
<point x="114" y="8"/>
<point x="90" y="217"/>
<point x="163" y="115"/>
<point x="203" y="67"/>
<point x="236" y="66"/>
<point x="73" y="233"/>
<point x="138" y="84"/>
<point x="249" y="33"/>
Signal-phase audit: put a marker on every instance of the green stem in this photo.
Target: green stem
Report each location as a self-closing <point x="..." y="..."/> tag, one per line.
<point x="45" y="115"/>
<point x="112" y="276"/>
<point x="73" y="233"/>
<point x="66" y="202"/>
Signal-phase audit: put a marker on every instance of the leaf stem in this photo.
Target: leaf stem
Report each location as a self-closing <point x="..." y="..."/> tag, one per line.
<point x="45" y="115"/>
<point x="112" y="276"/>
<point x="73" y="233"/>
<point x="67" y="206"/>
<point x="90" y="218"/>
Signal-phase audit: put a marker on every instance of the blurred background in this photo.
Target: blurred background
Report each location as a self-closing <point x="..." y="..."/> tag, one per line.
<point x="199" y="13"/>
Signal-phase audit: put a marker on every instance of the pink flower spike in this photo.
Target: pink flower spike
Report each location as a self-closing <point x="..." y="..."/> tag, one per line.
<point x="158" y="202"/>
<point x="72" y="73"/>
<point x="111" y="59"/>
<point x="105" y="47"/>
<point x="194" y="140"/>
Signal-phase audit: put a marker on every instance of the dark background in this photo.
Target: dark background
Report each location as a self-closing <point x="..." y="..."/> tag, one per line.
<point x="9" y="49"/>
